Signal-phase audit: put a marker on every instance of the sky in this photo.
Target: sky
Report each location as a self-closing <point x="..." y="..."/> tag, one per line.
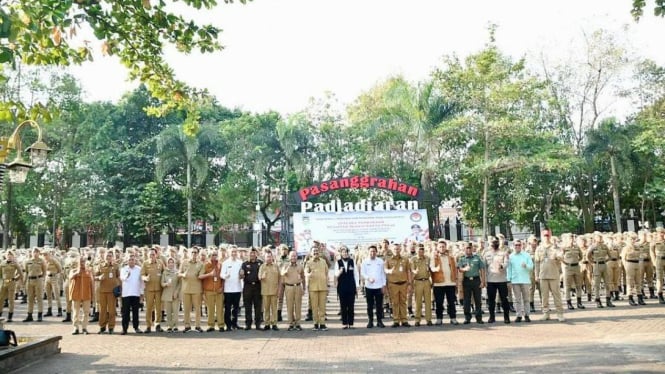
<point x="280" y="53"/>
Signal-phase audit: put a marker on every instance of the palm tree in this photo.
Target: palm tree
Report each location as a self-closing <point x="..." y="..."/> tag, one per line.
<point x="178" y="153"/>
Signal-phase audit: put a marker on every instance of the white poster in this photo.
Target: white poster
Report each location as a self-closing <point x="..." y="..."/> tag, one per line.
<point x="353" y="228"/>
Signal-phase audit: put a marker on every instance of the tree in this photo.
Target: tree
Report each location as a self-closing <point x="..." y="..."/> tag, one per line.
<point x="46" y="32"/>
<point x="639" y="5"/>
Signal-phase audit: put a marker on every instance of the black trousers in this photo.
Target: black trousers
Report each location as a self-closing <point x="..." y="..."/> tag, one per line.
<point x="251" y="297"/>
<point x="374" y="298"/>
<point x="472" y="289"/>
<point x="231" y="307"/>
<point x="448" y="293"/>
<point x="502" y="287"/>
<point x="347" y="301"/>
<point x="130" y="304"/>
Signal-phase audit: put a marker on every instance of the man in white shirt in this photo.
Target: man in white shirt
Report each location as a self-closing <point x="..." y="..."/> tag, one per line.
<point x="373" y="273"/>
<point x="132" y="288"/>
<point x="232" y="289"/>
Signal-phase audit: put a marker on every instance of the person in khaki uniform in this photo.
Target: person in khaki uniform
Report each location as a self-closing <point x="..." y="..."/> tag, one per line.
<point x="151" y="272"/>
<point x="213" y="291"/>
<point x="658" y="255"/>
<point x="52" y="283"/>
<point x="586" y="267"/>
<point x="171" y="294"/>
<point x="107" y="273"/>
<point x="71" y="263"/>
<point x="269" y="276"/>
<point x="316" y="270"/>
<point x="548" y="263"/>
<point x="598" y="255"/>
<point x="531" y="247"/>
<point x="282" y="260"/>
<point x="423" y="285"/>
<point x="35" y="269"/>
<point x="293" y="276"/>
<point x="10" y="274"/>
<point x="572" y="256"/>
<point x="630" y="256"/>
<point x="646" y="263"/>
<point x="614" y="266"/>
<point x="191" y="290"/>
<point x="398" y="271"/>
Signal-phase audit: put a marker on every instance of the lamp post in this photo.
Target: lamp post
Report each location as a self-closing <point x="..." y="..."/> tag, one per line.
<point x="18" y="168"/>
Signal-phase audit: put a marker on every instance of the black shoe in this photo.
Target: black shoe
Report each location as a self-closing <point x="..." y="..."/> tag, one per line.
<point x="186" y="330"/>
<point x="527" y="319"/>
<point x="59" y="312"/>
<point x="266" y="328"/>
<point x="49" y="313"/>
<point x="124" y="332"/>
<point x="76" y="332"/>
<point x="429" y="323"/>
<point x="479" y="320"/>
<point x="222" y="329"/>
<point x="395" y="324"/>
<point x="316" y="327"/>
<point x="198" y="329"/>
<point x="147" y="331"/>
<point x="599" y="304"/>
<point x="102" y="330"/>
<point x="454" y="322"/>
<point x="9" y="317"/>
<point x="158" y="328"/>
<point x="417" y="324"/>
<point x="466" y="321"/>
<point x="279" y="316"/>
<point x="631" y="301"/>
<point x="28" y="318"/>
<point x="275" y="328"/>
<point x="229" y="328"/>
<point x="370" y="324"/>
<point x="323" y="328"/>
<point x="210" y="329"/>
<point x="506" y="321"/>
<point x="110" y="331"/>
<point x="661" y="300"/>
<point x="579" y="303"/>
<point x="248" y="327"/>
<point x="491" y="319"/>
<point x="532" y="308"/>
<point x="291" y="328"/>
<point x="518" y="319"/>
<point x="380" y="324"/>
<point x="298" y="328"/>
<point x="39" y="317"/>
<point x="570" y="305"/>
<point x="405" y="324"/>
<point x="68" y="317"/>
<point x="84" y="331"/>
<point x="138" y="331"/>
<point x="640" y="300"/>
<point x="608" y="301"/>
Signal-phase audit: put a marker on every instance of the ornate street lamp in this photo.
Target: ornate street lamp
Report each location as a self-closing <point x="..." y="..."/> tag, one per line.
<point x="18" y="169"/>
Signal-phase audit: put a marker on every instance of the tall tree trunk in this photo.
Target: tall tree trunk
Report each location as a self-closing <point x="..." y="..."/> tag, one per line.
<point x="189" y="205"/>
<point x="615" y="193"/>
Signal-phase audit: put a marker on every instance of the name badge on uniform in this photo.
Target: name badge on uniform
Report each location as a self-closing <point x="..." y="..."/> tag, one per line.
<point x="214" y="279"/>
<point x="111" y="275"/>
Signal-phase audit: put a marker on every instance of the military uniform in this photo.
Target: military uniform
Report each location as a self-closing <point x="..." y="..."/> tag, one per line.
<point x="647" y="267"/>
<point x="659" y="259"/>
<point x="572" y="256"/>
<point x="251" y="292"/>
<point x="151" y="271"/>
<point x="614" y="270"/>
<point x="398" y="274"/>
<point x="10" y="274"/>
<point x="52" y="284"/>
<point x="598" y="255"/>
<point x="171" y="285"/>
<point x="423" y="288"/>
<point x="35" y="269"/>
<point x="473" y="274"/>
<point x="71" y="263"/>
<point x="631" y="262"/>
<point x="547" y="267"/>
<point x="270" y="284"/>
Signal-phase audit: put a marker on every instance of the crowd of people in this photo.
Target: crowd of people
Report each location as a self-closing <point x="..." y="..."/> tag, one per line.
<point x="399" y="282"/>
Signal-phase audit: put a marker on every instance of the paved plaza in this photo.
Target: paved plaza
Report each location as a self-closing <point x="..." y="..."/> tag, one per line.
<point x="621" y="339"/>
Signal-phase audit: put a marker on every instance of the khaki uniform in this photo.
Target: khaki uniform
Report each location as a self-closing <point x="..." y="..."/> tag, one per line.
<point x="659" y="254"/>
<point x="547" y="262"/>
<point x="191" y="291"/>
<point x="614" y="269"/>
<point x="108" y="276"/>
<point x="572" y="256"/>
<point x="71" y="263"/>
<point x="293" y="279"/>
<point x="646" y="265"/>
<point x="598" y="255"/>
<point x="586" y="271"/>
<point x="631" y="262"/>
<point x="397" y="270"/>
<point x="317" y="281"/>
<point x="153" y="291"/>
<point x="171" y="285"/>
<point x="52" y="284"/>
<point x="10" y="275"/>
<point x="35" y="270"/>
<point x="423" y="287"/>
<point x="270" y="284"/>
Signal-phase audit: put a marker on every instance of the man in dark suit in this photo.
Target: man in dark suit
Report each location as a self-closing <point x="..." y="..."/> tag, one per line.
<point x="346" y="276"/>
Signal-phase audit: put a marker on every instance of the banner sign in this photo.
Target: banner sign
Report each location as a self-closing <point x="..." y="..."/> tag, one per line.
<point x="356" y="227"/>
<point x="355" y="182"/>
